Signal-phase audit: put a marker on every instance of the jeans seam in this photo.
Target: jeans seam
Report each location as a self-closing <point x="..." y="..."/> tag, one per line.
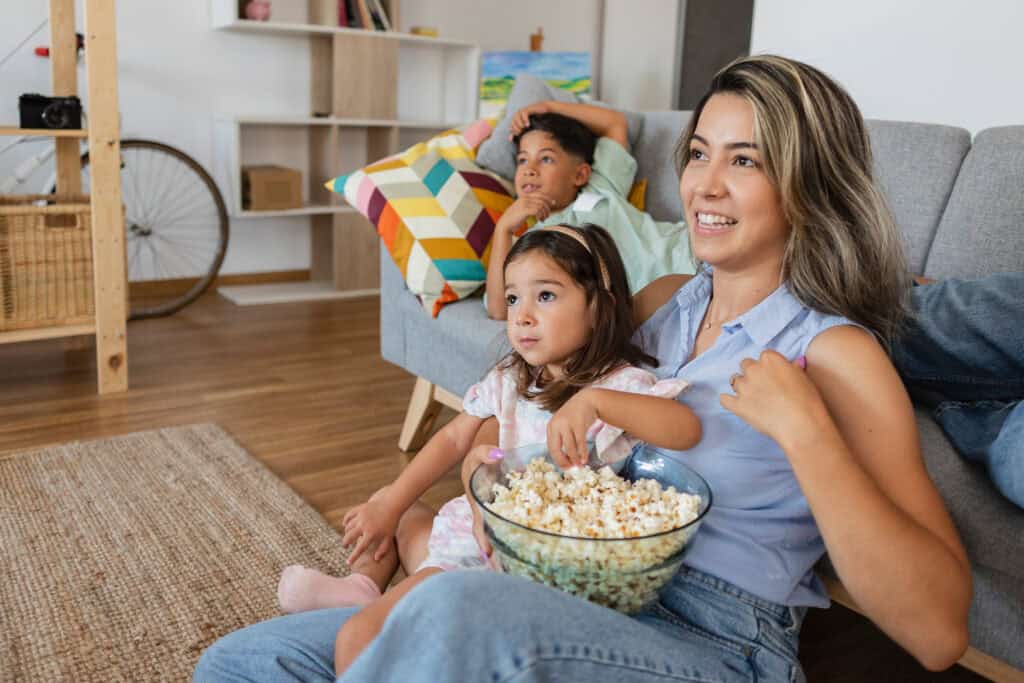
<point x="740" y="650"/>
<point x="529" y="664"/>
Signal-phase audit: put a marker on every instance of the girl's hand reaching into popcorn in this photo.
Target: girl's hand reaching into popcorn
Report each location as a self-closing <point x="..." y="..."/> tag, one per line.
<point x="568" y="428"/>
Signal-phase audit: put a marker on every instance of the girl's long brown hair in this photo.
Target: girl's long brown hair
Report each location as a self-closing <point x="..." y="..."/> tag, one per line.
<point x="610" y="345"/>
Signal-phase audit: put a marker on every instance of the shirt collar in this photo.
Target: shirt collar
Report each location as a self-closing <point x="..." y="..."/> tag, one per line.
<point x="762" y="323"/>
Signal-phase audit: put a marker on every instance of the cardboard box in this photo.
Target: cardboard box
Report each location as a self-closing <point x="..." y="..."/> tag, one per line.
<point x="271" y="188"/>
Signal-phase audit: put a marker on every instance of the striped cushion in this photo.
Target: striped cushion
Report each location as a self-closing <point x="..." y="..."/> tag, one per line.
<point x="435" y="211"/>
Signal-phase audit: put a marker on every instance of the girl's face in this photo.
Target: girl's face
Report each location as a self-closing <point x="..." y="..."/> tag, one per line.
<point x="733" y="210"/>
<point x="543" y="166"/>
<point x="548" y="316"/>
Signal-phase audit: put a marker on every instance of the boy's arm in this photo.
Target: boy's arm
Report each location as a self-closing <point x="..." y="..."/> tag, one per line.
<point x="601" y="121"/>
<point x="501" y="243"/>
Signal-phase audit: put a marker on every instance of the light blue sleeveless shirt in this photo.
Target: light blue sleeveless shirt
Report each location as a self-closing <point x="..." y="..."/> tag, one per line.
<point x="759" y="534"/>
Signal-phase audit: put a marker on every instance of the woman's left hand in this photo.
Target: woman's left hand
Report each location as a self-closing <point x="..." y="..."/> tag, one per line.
<point x="774" y="396"/>
<point x="567" y="430"/>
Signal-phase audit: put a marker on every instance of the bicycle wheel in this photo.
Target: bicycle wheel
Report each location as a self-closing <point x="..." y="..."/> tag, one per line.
<point x="176" y="226"/>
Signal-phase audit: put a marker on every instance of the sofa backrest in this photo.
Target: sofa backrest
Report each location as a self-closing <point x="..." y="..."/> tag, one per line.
<point x="982" y="227"/>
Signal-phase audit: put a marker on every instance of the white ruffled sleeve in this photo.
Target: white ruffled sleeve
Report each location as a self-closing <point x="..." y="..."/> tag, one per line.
<point x="613" y="444"/>
<point x="483" y="399"/>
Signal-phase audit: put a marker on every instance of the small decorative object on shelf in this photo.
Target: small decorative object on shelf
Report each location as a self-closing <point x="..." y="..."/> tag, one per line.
<point x="257" y="10"/>
<point x="428" y="31"/>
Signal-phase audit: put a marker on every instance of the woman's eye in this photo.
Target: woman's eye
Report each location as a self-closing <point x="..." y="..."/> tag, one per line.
<point x="746" y="162"/>
<point x="511" y="299"/>
<point x="697" y="155"/>
<point x="546" y="296"/>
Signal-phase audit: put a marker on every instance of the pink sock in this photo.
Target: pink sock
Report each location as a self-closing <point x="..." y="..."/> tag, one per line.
<point x="302" y="589"/>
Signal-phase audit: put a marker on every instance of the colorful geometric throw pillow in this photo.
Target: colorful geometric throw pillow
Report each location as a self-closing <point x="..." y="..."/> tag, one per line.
<point x="435" y="210"/>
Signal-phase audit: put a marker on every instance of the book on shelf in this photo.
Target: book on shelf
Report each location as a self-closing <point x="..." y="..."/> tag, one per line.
<point x="342" y="13"/>
<point x="380" y="16"/>
<point x="364" y="14"/>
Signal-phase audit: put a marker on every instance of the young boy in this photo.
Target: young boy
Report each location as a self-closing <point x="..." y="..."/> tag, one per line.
<point x="573" y="166"/>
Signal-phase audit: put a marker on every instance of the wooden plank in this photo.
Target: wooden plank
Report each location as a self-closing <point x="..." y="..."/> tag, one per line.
<point x="107" y="217"/>
<point x="15" y="336"/>
<point x="365" y="76"/>
<point x="289" y="292"/>
<point x="320" y="69"/>
<point x="43" y="132"/>
<point x="64" y="83"/>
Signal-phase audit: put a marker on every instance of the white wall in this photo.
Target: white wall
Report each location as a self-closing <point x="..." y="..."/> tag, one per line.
<point x="956" y="63"/>
<point x="638" y="61"/>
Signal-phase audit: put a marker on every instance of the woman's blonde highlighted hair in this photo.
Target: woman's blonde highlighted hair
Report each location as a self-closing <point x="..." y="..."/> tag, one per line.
<point x="844" y="255"/>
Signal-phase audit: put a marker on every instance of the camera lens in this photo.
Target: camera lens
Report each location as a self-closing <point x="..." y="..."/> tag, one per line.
<point x="56" y="115"/>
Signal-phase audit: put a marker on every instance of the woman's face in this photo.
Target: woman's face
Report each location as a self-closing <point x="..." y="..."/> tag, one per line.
<point x="733" y="210"/>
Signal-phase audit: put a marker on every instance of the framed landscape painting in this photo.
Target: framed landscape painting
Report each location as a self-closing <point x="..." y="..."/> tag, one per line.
<point x="565" y="70"/>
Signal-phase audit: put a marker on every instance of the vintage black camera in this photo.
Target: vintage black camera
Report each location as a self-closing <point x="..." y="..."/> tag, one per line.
<point x="40" y="111"/>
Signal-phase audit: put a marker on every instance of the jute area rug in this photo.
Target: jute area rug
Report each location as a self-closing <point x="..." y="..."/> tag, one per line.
<point x="124" y="558"/>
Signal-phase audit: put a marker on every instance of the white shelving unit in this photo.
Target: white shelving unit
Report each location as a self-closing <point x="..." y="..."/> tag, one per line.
<point x="373" y="93"/>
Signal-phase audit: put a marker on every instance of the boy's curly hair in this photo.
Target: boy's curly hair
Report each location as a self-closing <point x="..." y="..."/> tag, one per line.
<point x="598" y="269"/>
<point x="571" y="135"/>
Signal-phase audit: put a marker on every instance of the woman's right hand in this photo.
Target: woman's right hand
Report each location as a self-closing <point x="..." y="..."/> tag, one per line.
<point x="370" y="526"/>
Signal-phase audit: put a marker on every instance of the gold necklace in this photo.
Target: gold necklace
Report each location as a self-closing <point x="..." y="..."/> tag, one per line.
<point x="707" y="314"/>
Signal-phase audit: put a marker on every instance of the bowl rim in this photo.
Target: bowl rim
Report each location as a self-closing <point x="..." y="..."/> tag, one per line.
<point x="695" y="520"/>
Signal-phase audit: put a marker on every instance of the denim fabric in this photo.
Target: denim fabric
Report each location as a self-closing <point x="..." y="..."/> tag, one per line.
<point x="964" y="356"/>
<point x="484" y="626"/>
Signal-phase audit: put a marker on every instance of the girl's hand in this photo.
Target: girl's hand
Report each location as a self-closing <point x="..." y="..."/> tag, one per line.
<point x="370" y="526"/>
<point x="775" y="397"/>
<point x="482" y="453"/>
<point x="521" y="119"/>
<point x="567" y="430"/>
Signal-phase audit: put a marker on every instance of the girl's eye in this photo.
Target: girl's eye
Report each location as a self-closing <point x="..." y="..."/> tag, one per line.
<point x="520" y="161"/>
<point x="697" y="155"/>
<point x="511" y="299"/>
<point x="546" y="296"/>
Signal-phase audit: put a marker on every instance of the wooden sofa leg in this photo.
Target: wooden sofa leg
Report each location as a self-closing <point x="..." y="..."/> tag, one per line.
<point x="419" y="417"/>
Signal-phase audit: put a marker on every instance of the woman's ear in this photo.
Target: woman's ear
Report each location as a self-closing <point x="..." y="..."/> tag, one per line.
<point x="582" y="176"/>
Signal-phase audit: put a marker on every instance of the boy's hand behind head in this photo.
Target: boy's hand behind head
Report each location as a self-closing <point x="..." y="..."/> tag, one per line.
<point x="521" y="119"/>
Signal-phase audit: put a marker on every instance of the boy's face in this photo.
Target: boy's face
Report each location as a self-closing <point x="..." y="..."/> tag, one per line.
<point x="543" y="166"/>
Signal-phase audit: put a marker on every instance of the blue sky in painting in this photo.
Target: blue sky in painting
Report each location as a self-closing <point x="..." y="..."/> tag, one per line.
<point x="546" y="65"/>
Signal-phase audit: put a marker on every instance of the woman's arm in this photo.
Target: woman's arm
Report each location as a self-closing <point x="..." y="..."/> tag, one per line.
<point x="654" y="295"/>
<point x="849" y="431"/>
<point x="601" y="121"/>
<point x="659" y="421"/>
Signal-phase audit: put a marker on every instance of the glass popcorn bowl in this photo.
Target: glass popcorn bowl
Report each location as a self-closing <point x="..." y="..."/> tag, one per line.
<point x="624" y="574"/>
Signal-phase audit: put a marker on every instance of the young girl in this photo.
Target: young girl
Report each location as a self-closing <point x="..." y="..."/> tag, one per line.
<point x="569" y="325"/>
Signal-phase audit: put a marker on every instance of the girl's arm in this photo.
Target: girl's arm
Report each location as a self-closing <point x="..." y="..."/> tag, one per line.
<point x="373" y="523"/>
<point x="849" y="431"/>
<point x="662" y="422"/>
<point x="601" y="121"/>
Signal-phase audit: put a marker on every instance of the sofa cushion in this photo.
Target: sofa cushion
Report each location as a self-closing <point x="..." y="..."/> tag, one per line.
<point x="982" y="230"/>
<point x="498" y="153"/>
<point x="435" y="210"/>
<point x="654" y="152"/>
<point x="989" y="524"/>
<point x="916" y="165"/>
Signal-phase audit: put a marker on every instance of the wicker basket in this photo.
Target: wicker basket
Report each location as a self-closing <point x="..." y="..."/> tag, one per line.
<point x="46" y="277"/>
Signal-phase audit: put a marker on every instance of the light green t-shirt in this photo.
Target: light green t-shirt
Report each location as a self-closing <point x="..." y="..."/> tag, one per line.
<point x="650" y="249"/>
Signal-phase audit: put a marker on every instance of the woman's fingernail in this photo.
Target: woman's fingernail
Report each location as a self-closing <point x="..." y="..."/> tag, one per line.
<point x="495" y="454"/>
<point x="802" y="362"/>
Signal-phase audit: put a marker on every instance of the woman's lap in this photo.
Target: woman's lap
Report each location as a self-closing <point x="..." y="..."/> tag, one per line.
<point x="491" y="627"/>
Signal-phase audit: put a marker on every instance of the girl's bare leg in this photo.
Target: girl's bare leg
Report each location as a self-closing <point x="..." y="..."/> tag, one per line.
<point x="363" y="627"/>
<point x="301" y="588"/>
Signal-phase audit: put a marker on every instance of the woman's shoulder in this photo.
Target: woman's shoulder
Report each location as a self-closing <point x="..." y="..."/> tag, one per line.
<point x="648" y="300"/>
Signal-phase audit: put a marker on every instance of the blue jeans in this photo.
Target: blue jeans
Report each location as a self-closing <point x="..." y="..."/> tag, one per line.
<point x="484" y="626"/>
<point x="964" y="357"/>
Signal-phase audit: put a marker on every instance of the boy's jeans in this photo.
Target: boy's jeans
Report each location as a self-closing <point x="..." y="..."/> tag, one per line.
<point x="964" y="357"/>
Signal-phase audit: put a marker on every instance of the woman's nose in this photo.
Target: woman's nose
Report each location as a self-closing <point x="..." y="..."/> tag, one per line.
<point x="709" y="181"/>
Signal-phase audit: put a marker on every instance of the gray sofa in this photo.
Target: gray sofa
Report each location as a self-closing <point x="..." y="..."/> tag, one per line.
<point x="960" y="205"/>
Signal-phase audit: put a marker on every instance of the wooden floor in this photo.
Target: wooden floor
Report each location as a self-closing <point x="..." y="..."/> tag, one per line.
<point x="303" y="388"/>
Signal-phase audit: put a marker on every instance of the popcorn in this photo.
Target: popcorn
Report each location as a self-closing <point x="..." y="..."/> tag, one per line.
<point x="617" y="557"/>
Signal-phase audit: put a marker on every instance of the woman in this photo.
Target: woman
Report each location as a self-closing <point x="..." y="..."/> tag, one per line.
<point x="802" y="261"/>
